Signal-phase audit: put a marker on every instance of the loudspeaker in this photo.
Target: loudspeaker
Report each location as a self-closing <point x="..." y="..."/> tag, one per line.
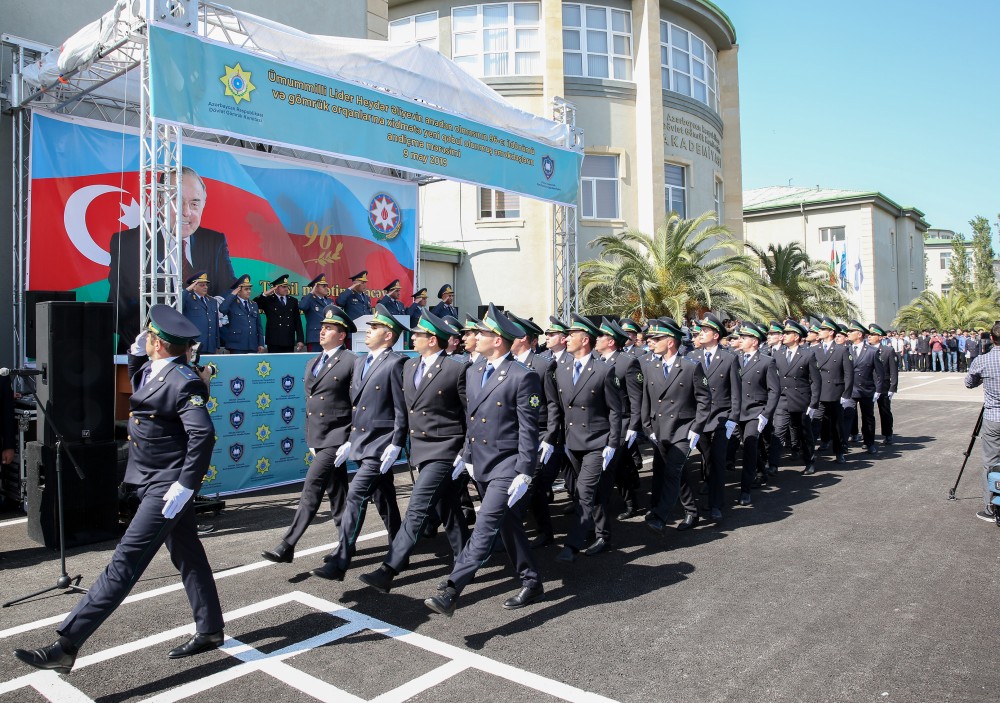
<point x="75" y="347"/>
<point x="31" y="299"/>
<point x="90" y="505"/>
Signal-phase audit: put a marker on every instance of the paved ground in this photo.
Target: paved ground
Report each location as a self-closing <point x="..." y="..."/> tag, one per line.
<point x="861" y="583"/>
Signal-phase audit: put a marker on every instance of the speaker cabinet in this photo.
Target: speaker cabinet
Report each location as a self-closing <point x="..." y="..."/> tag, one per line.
<point x="31" y="299"/>
<point x="90" y="504"/>
<point x="75" y="349"/>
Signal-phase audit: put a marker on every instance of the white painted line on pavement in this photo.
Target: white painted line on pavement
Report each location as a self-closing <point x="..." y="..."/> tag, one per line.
<point x="910" y="388"/>
<point x="14" y="521"/>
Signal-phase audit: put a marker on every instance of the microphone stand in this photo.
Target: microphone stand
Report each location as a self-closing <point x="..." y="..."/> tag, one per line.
<point x="65" y="582"/>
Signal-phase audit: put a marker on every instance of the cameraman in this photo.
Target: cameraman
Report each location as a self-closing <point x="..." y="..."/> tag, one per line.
<point x="985" y="371"/>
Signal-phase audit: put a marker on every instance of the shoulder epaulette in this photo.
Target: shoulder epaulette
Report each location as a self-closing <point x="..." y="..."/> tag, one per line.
<point x="186" y="371"/>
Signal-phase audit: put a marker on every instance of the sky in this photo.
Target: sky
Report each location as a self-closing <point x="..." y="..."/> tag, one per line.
<point x="896" y="96"/>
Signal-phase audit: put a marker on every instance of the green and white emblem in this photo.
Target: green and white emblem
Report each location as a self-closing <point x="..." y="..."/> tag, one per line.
<point x="534" y="401"/>
<point x="197" y="401"/>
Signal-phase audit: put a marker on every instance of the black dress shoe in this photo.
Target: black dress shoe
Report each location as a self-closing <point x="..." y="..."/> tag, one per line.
<point x="744" y="498"/>
<point x="771" y="470"/>
<point x="841" y="459"/>
<point x="824" y="446"/>
<point x="760" y="481"/>
<point x="716" y="515"/>
<point x="598" y="546"/>
<point x="526" y="596"/>
<point x="380" y="579"/>
<point x="566" y="555"/>
<point x="872" y="449"/>
<point x="444" y="602"/>
<point x="197" y="644"/>
<point x="282" y="554"/>
<point x="887" y="441"/>
<point x="442" y="585"/>
<point x="631" y="512"/>
<point x="56" y="657"/>
<point x="430" y="531"/>
<point x="541" y="541"/>
<point x="688" y="522"/>
<point x="809" y="470"/>
<point x="654" y="524"/>
<point x="329" y="571"/>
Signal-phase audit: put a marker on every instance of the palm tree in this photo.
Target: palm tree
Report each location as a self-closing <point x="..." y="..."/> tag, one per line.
<point x="687" y="266"/>
<point x="799" y="286"/>
<point x="947" y="312"/>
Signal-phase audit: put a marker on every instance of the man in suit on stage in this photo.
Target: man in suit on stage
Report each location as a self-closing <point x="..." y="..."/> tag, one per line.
<point x="283" y="331"/>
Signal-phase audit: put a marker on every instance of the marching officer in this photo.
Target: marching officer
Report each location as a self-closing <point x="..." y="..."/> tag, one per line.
<point x="759" y="391"/>
<point x="328" y="423"/>
<point x="836" y="370"/>
<point x="446" y="294"/>
<point x="434" y="389"/>
<point x="378" y="431"/>
<point x="470" y="334"/>
<point x="887" y="355"/>
<point x="870" y="382"/>
<point x="391" y="302"/>
<point x="170" y="447"/>
<point x="313" y="306"/>
<point x="800" y="387"/>
<point x="203" y="310"/>
<point x="245" y="333"/>
<point x="631" y="328"/>
<point x="283" y="330"/>
<point x="500" y="453"/>
<point x="676" y="404"/>
<point x="417" y="307"/>
<point x="555" y="340"/>
<point x="775" y="332"/>
<point x="354" y="299"/>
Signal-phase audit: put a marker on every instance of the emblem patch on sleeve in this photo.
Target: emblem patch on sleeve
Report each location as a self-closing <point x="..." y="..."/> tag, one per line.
<point x="197" y="401"/>
<point x="534" y="401"/>
<point x="704" y="380"/>
<point x="638" y="377"/>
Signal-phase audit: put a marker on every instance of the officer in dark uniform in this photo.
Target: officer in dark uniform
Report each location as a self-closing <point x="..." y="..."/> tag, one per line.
<point x="887" y="355"/>
<point x="283" y="330"/>
<point x="722" y="371"/>
<point x="800" y="388"/>
<point x="555" y="340"/>
<point x="446" y="307"/>
<point x="775" y="332"/>
<point x="203" y="310"/>
<point x="500" y="452"/>
<point x="418" y="306"/>
<point x="378" y="431"/>
<point x="759" y="391"/>
<point x="313" y="305"/>
<point x="631" y="329"/>
<point x="590" y="407"/>
<point x="470" y="332"/>
<point x="245" y="332"/>
<point x="870" y="383"/>
<point x="354" y="299"/>
<point x="390" y="301"/>
<point x="836" y="369"/>
<point x="170" y="447"/>
<point x="676" y="403"/>
<point x="434" y="388"/>
<point x="328" y="423"/>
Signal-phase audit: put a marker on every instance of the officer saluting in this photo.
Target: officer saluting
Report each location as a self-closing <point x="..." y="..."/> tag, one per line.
<point x="313" y="305"/>
<point x="171" y="441"/>
<point x="245" y="333"/>
<point x="446" y="294"/>
<point x="283" y="331"/>
<point x="354" y="299"/>
<point x="203" y="310"/>
<point x="390" y="301"/>
<point x="418" y="306"/>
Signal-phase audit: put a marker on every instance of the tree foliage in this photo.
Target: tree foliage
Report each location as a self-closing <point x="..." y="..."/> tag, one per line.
<point x="958" y="266"/>
<point x="798" y="286"/>
<point x="983" y="278"/>
<point x="945" y="312"/>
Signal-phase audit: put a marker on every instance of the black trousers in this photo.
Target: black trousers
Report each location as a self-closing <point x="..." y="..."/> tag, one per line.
<point x="865" y="408"/>
<point x="750" y="440"/>
<point x="627" y="462"/>
<point x="433" y="487"/>
<point x="713" y="446"/>
<point x="829" y="417"/>
<point x="674" y="457"/>
<point x="140" y="543"/>
<point x="792" y="429"/>
<point x="279" y="348"/>
<point x="885" y="414"/>
<point x="541" y="487"/>
<point x="322" y="477"/>
<point x="367" y="483"/>
<point x="593" y="488"/>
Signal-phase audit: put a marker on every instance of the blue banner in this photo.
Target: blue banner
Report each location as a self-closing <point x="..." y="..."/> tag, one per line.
<point x="229" y="91"/>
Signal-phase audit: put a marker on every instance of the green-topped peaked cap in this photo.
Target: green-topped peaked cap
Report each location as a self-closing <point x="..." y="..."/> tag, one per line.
<point x="384" y="318"/>
<point x="713" y="323"/>
<point x="499" y="324"/>
<point x="471" y="324"/>
<point x="530" y="328"/>
<point x="629" y="325"/>
<point x="334" y="315"/>
<point x="876" y="329"/>
<point x="795" y="326"/>
<point x="664" y="327"/>
<point x="775" y="326"/>
<point x="828" y="323"/>
<point x="855" y="325"/>
<point x="750" y="329"/>
<point x="556" y="326"/>
<point x="611" y="328"/>
<point x="170" y="325"/>
<point x="579" y="322"/>
<point x="430" y="323"/>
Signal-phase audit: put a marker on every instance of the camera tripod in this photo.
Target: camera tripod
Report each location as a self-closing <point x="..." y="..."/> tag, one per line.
<point x="968" y="452"/>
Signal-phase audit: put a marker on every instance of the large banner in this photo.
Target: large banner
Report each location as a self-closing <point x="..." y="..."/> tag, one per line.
<point x="222" y="89"/>
<point x="269" y="215"/>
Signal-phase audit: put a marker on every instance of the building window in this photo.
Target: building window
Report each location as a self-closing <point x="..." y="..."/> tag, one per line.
<point x="416" y="29"/>
<point x="498" y="205"/>
<point x="718" y="200"/>
<point x="599" y="188"/>
<point x="945" y="259"/>
<point x="501" y="39"/>
<point x="597" y="42"/>
<point x="675" y="188"/>
<point x="945" y="288"/>
<point x="687" y="65"/>
<point x="832" y="234"/>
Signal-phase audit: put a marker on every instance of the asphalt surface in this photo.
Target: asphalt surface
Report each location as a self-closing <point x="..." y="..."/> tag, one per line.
<point x="860" y="583"/>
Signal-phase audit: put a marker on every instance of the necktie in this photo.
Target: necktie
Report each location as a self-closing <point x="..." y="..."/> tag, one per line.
<point x="788" y="355"/>
<point x="203" y="301"/>
<point x="319" y="365"/>
<point x="577" y="368"/>
<point x="746" y="359"/>
<point x="246" y="306"/>
<point x="187" y="250"/>
<point x="282" y="300"/>
<point x="419" y="375"/>
<point x="487" y="374"/>
<point x="708" y="359"/>
<point x="826" y="348"/>
<point x="145" y="376"/>
<point x="368" y="363"/>
<point x="666" y="370"/>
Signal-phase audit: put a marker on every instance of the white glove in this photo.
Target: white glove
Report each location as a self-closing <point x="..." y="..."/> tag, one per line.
<point x="313" y="451"/>
<point x="389" y="456"/>
<point x="608" y="453"/>
<point x="761" y="423"/>
<point x="875" y="397"/>
<point x="630" y="436"/>
<point x="545" y="452"/>
<point x="459" y="466"/>
<point x="342" y="453"/>
<point x="518" y="487"/>
<point x="889" y="395"/>
<point x="730" y="428"/>
<point x="470" y="471"/>
<point x="652" y="438"/>
<point x="175" y="499"/>
<point x="846" y="403"/>
<point x="810" y="412"/>
<point x="693" y="438"/>
<point x="139" y="345"/>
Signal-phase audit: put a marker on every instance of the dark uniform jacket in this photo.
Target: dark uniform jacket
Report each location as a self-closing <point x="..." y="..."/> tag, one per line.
<point x="549" y="429"/>
<point x="887" y="355"/>
<point x="379" y="408"/>
<point x="393" y="305"/>
<point x="676" y="404"/>
<point x="170" y="433"/>
<point x="204" y="313"/>
<point x="836" y="369"/>
<point x="244" y="332"/>
<point x="442" y="309"/>
<point x="629" y="374"/>
<point x="591" y="410"/>
<point x="414" y="310"/>
<point x="328" y="399"/>
<point x="502" y="436"/>
<point x="724" y="383"/>
<point x="435" y="411"/>
<point x="800" y="380"/>
<point x="354" y="304"/>
<point x="759" y="387"/>
<point x="869" y="374"/>
<point x="312" y="307"/>
<point x="284" y="324"/>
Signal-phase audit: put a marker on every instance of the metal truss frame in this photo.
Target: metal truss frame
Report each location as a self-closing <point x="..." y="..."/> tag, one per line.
<point x="565" y="268"/>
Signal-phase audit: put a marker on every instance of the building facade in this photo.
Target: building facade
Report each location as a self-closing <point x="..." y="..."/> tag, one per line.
<point x="875" y="247"/>
<point x="655" y="88"/>
<point x="938" y="248"/>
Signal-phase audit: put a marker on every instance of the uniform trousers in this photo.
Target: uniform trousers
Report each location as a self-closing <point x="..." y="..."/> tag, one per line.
<point x="541" y="487"/>
<point x="885" y="414"/>
<point x="142" y="539"/>
<point x="593" y="488"/>
<point x="367" y="483"/>
<point x="792" y="428"/>
<point x="713" y="445"/>
<point x="829" y="417"/>
<point x="280" y="349"/>
<point x="627" y="462"/>
<point x="674" y="457"/>
<point x="322" y="477"/>
<point x="866" y="408"/>
<point x="433" y="487"/>
<point x="496" y="519"/>
<point x="750" y="440"/>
